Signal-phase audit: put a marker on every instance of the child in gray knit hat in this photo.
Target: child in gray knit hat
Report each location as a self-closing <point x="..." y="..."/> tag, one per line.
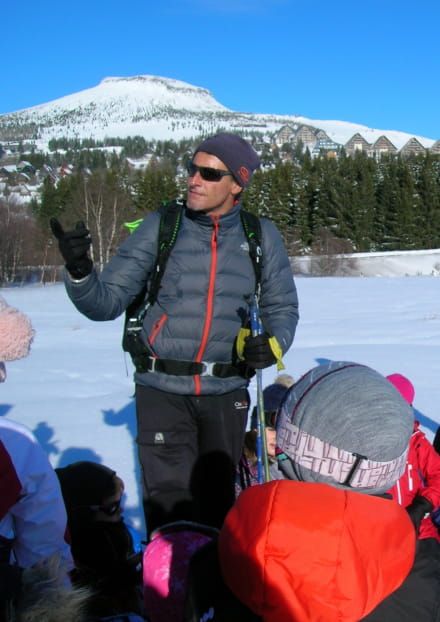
<point x="344" y="424"/>
<point x="331" y="544"/>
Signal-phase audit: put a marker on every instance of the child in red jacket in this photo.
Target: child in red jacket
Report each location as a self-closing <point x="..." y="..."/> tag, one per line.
<point x="418" y="489"/>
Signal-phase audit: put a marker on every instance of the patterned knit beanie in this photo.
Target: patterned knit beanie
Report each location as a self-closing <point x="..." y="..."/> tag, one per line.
<point x="344" y="424"/>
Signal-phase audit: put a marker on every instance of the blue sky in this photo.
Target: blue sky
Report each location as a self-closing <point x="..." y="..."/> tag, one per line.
<point x="374" y="62"/>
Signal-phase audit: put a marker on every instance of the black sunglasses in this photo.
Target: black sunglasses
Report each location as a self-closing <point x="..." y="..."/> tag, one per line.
<point x="110" y="509"/>
<point x="206" y="172"/>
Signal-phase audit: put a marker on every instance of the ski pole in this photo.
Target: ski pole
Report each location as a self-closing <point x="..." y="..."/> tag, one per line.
<point x="262" y="459"/>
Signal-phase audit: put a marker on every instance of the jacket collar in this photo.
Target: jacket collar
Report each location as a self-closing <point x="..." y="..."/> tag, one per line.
<point x="229" y="219"/>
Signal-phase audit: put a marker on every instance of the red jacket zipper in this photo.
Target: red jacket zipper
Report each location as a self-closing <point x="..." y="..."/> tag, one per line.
<point x="210" y="302"/>
<point x="156" y="329"/>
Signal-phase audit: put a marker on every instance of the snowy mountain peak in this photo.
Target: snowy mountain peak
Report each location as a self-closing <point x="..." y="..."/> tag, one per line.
<point x="160" y="108"/>
<point x="133" y="96"/>
<point x="157" y="86"/>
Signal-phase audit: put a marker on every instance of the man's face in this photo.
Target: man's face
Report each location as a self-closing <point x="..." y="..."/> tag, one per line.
<point x="213" y="197"/>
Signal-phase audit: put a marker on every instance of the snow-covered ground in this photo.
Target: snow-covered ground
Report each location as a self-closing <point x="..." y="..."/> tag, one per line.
<point x="75" y="390"/>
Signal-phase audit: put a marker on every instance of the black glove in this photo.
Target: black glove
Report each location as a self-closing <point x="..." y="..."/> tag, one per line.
<point x="74" y="246"/>
<point x="257" y="352"/>
<point x="418" y="508"/>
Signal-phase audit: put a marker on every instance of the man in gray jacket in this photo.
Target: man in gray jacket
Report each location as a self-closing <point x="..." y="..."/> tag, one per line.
<point x="191" y="397"/>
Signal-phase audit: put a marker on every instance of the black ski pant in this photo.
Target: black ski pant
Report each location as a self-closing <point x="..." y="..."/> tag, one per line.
<point x="188" y="448"/>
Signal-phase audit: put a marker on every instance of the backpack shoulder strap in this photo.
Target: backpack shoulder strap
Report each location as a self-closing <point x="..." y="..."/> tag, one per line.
<point x="171" y="217"/>
<point x="252" y="230"/>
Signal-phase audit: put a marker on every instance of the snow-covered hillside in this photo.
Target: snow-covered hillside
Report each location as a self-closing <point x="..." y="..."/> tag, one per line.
<point x="136" y="95"/>
<point x="75" y="390"/>
<point x="385" y="264"/>
<point x="162" y="109"/>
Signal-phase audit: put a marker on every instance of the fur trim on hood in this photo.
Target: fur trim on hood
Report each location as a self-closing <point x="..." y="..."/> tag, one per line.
<point x="44" y="598"/>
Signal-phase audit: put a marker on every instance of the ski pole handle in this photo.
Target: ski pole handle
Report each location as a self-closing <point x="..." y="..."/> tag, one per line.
<point x="254" y="316"/>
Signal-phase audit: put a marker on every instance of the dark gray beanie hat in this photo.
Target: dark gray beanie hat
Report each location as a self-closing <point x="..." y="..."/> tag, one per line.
<point x="236" y="154"/>
<point x="345" y="424"/>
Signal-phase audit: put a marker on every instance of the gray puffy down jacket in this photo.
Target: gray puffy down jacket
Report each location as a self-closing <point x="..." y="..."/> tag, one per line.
<point x="201" y="302"/>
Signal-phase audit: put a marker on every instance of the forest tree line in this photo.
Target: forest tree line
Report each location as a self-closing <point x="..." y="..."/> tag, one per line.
<point x="321" y="205"/>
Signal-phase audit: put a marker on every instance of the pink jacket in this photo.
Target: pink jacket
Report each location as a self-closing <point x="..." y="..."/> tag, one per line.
<point x="421" y="477"/>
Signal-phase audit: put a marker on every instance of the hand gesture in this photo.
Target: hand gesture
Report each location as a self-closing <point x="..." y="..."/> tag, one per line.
<point x="74" y="246"/>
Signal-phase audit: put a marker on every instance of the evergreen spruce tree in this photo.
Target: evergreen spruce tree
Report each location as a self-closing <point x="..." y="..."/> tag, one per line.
<point x="387" y="194"/>
<point x="55" y="199"/>
<point x="281" y="200"/>
<point x="427" y="183"/>
<point x="363" y="204"/>
<point x="330" y="197"/>
<point x="408" y="205"/>
<point x="154" y="186"/>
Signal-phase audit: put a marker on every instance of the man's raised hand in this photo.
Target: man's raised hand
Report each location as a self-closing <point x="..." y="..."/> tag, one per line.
<point x="74" y="246"/>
